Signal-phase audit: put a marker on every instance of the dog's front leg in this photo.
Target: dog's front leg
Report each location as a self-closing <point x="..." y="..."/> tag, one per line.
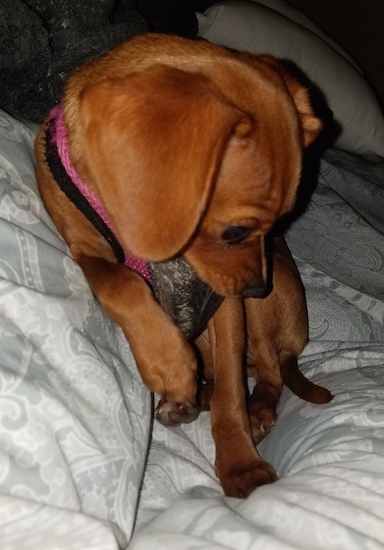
<point x="238" y="465"/>
<point x="165" y="360"/>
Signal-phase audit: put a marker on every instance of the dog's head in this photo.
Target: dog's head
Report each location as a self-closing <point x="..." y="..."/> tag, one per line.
<point x="198" y="153"/>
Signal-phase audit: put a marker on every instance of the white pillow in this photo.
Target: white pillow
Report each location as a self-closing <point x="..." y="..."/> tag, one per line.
<point x="273" y="27"/>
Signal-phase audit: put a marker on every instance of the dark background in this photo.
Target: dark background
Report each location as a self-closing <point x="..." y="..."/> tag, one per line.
<point x="358" y="26"/>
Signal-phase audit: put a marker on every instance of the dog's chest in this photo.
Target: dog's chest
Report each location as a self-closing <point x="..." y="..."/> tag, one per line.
<point x="184" y="296"/>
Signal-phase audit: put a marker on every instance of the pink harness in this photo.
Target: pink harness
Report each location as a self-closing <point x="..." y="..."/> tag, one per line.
<point x="59" y="139"/>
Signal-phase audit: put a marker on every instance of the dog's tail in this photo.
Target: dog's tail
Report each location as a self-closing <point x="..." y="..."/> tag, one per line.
<point x="300" y="385"/>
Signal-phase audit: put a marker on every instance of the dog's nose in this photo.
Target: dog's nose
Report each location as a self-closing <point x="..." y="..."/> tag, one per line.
<point x="255" y="289"/>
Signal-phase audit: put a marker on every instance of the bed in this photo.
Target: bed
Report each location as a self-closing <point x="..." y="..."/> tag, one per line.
<point x="82" y="463"/>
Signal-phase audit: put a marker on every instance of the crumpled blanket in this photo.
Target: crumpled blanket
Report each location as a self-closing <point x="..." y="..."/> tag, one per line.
<point x="43" y="41"/>
<point x="83" y="465"/>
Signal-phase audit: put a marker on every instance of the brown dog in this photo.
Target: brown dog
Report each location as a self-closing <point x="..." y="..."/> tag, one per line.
<point x="183" y="148"/>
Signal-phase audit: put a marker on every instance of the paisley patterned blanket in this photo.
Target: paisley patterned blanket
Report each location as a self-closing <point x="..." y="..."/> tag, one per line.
<point x="82" y="465"/>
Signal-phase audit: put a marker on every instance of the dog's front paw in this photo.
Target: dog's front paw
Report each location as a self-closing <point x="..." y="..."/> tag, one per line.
<point x="241" y="481"/>
<point x="174" y="414"/>
<point x="168" y="365"/>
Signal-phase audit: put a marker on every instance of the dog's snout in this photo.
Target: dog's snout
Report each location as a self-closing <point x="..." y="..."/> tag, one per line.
<point x="255" y="289"/>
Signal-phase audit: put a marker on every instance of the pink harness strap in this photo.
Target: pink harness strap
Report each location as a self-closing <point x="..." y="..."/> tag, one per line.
<point x="59" y="137"/>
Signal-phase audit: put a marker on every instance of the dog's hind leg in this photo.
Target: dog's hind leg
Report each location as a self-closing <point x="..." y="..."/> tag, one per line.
<point x="277" y="334"/>
<point x="263" y="400"/>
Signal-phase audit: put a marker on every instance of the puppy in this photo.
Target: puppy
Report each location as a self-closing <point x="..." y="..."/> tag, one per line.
<point x="163" y="148"/>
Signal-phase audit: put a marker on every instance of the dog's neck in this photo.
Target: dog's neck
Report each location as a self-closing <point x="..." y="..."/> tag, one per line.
<point x="80" y="194"/>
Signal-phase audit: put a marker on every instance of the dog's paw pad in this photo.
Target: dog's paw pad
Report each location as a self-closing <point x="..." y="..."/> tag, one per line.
<point x="174" y="414"/>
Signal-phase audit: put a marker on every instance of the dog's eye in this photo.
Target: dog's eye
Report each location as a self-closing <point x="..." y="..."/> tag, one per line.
<point x="235" y="234"/>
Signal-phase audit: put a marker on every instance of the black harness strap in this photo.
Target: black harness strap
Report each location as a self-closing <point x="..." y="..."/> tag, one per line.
<point x="74" y="195"/>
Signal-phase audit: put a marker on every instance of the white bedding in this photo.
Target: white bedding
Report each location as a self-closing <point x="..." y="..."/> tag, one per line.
<point x="82" y="466"/>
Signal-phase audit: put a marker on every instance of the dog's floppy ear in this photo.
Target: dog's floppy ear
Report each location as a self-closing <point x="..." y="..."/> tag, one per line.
<point x="154" y="141"/>
<point x="311" y="124"/>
